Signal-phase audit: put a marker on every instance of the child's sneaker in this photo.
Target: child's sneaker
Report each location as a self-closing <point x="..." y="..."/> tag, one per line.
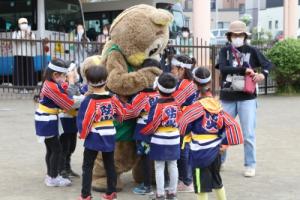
<point x="181" y="187"/>
<point x="142" y="190"/>
<point x="112" y="196"/>
<point x="158" y="197"/>
<point x="171" y="196"/>
<point x="87" y="198"/>
<point x="63" y="181"/>
<point x="52" y="182"/>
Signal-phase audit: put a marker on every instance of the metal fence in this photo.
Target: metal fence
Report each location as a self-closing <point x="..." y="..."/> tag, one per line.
<point x="22" y="62"/>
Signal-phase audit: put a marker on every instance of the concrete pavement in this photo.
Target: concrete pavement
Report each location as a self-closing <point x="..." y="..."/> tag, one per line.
<point x="22" y="167"/>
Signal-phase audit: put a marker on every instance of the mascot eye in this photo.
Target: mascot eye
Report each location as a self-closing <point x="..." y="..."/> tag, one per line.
<point x="153" y="51"/>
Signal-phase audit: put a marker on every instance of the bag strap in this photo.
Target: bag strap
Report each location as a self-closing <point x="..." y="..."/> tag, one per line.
<point x="235" y="51"/>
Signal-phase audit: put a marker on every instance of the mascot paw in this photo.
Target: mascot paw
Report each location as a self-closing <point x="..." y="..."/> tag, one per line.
<point x="99" y="185"/>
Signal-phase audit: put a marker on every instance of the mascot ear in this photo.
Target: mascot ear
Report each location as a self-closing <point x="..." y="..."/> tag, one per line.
<point x="161" y="17"/>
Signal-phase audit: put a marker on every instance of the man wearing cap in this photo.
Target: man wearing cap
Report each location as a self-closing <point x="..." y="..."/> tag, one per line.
<point x="23" y="51"/>
<point x="236" y="60"/>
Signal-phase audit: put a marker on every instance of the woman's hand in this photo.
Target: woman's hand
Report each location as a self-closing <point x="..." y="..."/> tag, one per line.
<point x="250" y="72"/>
<point x="258" y="77"/>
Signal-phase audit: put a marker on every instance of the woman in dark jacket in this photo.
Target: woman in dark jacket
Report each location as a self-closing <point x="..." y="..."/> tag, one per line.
<point x="236" y="60"/>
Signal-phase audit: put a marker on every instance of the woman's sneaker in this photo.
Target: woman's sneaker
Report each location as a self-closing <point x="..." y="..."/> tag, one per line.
<point x="112" y="196"/>
<point x="142" y="190"/>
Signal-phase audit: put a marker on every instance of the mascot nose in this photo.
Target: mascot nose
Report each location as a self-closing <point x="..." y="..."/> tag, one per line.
<point x="161" y="17"/>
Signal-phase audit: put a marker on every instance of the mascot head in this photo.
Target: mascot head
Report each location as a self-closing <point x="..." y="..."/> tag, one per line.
<point x="141" y="32"/>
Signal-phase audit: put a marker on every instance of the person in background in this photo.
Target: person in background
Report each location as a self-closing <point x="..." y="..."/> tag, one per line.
<point x="82" y="48"/>
<point x="185" y="40"/>
<point x="235" y="61"/>
<point x="24" y="52"/>
<point x="166" y="59"/>
<point x="103" y="37"/>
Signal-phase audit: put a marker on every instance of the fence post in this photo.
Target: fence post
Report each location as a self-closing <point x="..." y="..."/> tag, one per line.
<point x="266" y="85"/>
<point x="213" y="63"/>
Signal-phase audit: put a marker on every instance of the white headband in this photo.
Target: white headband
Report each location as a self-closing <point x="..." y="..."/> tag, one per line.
<point x="165" y="90"/>
<point x="200" y="80"/>
<point x="99" y="84"/>
<point x="72" y="67"/>
<point x="57" y="68"/>
<point x="175" y="62"/>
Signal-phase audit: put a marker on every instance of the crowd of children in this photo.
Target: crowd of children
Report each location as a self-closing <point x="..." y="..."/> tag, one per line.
<point x="180" y="127"/>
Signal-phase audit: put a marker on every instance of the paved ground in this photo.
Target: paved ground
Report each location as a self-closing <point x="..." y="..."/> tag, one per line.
<point x="22" y="165"/>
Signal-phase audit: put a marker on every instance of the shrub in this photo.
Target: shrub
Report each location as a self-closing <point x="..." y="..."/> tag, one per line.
<point x="285" y="56"/>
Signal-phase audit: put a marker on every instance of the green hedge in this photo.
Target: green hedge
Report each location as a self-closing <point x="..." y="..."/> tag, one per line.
<point x="285" y="56"/>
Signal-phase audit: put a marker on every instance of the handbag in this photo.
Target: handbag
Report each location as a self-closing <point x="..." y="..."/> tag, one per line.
<point x="250" y="85"/>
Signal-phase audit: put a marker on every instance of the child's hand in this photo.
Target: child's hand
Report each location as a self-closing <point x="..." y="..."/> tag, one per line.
<point x="71" y="77"/>
<point x="223" y="148"/>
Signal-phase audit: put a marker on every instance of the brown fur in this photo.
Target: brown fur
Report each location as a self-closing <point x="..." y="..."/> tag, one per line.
<point x="136" y="31"/>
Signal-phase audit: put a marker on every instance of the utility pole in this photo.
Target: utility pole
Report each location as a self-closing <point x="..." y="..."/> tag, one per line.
<point x="290" y="18"/>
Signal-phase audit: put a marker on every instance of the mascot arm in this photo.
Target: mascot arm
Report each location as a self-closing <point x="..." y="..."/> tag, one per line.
<point x="122" y="82"/>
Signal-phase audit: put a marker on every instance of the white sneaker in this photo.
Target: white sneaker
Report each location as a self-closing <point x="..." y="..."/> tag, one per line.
<point x="249" y="172"/>
<point x="57" y="182"/>
<point x="63" y="181"/>
<point x="52" y="182"/>
<point x="46" y="179"/>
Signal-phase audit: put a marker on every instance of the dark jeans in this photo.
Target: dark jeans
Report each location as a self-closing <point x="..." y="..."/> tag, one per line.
<point x="23" y="71"/>
<point x="147" y="166"/>
<point x="184" y="168"/>
<point x="53" y="151"/>
<point x="68" y="144"/>
<point x="89" y="158"/>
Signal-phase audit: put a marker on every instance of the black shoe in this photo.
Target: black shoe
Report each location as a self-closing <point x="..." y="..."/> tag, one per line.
<point x="71" y="173"/>
<point x="64" y="174"/>
<point x="171" y="196"/>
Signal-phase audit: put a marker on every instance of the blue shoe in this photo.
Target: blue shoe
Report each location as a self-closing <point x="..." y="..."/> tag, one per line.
<point x="142" y="190"/>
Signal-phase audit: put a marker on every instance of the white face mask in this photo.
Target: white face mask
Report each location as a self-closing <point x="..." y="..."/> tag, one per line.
<point x="237" y="42"/>
<point x="80" y="32"/>
<point x="185" y="34"/>
<point x="105" y="32"/>
<point x="23" y="27"/>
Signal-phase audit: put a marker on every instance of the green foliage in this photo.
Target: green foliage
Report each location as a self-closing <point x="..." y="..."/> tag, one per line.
<point x="247" y="19"/>
<point x="285" y="56"/>
<point x="261" y="38"/>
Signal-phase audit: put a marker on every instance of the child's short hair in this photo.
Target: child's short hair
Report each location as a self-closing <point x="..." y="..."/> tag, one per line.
<point x="96" y="76"/>
<point x="201" y="76"/>
<point x="166" y="84"/>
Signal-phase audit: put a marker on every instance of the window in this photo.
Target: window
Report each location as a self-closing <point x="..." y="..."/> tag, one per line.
<point x="11" y="11"/>
<point x="276" y="24"/>
<point x="188" y="5"/>
<point x="213" y="5"/>
<point x="270" y="24"/>
<point x="62" y="15"/>
<point x="242" y="9"/>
